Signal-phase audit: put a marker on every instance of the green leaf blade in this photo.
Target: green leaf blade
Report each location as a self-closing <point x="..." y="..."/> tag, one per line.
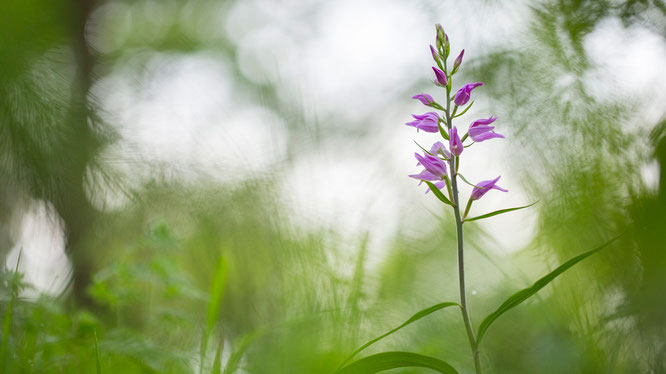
<point x="393" y="360"/>
<point x="497" y="212"/>
<point x="417" y="316"/>
<point x="438" y="193"/>
<point x="464" y="111"/>
<point x="524" y="294"/>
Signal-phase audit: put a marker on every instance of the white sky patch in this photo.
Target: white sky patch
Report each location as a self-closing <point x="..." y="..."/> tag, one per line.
<point x="339" y="187"/>
<point x="630" y="64"/>
<point x="358" y="55"/>
<point x="181" y="111"/>
<point x="40" y="240"/>
<point x="650" y="174"/>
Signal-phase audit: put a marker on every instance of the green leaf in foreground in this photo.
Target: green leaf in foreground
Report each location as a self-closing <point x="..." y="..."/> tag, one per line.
<point x="522" y="295"/>
<point x="439" y="194"/>
<point x="498" y="212"/>
<point x="392" y="360"/>
<point x="417" y="316"/>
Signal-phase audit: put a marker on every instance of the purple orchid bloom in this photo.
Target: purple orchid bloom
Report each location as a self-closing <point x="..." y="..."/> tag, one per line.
<point x="439" y="149"/>
<point x="435" y="170"/>
<point x="463" y="94"/>
<point x="484" y="186"/>
<point x="441" y="77"/>
<point x="425" y="175"/>
<point x="455" y="145"/>
<point x="480" y="130"/>
<point x="426" y="99"/>
<point x="426" y="122"/>
<point x="432" y="164"/>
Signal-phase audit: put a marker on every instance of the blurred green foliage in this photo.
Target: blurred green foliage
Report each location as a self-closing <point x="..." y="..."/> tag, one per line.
<point x="217" y="272"/>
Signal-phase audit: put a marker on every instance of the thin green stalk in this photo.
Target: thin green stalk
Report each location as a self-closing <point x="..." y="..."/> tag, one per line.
<point x="7" y="322"/>
<point x="453" y="166"/>
<point x="461" y="273"/>
<point x="97" y="360"/>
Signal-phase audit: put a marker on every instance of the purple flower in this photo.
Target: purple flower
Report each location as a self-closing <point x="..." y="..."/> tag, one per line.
<point x="435" y="166"/>
<point x="426" y="122"/>
<point x="485" y="186"/>
<point x="462" y="96"/>
<point x="435" y="170"/>
<point x="455" y="144"/>
<point x="426" y="99"/>
<point x="458" y="61"/>
<point x="439" y="148"/>
<point x="480" y="130"/>
<point x="435" y="55"/>
<point x="441" y="77"/>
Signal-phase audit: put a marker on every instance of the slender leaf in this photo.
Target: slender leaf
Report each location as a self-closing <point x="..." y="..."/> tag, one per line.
<point x="498" y="212"/>
<point x="217" y="361"/>
<point x="7" y="321"/>
<point x="392" y="360"/>
<point x="468" y="182"/>
<point x="443" y="132"/>
<point x="439" y="194"/>
<point x="522" y="295"/>
<point x="417" y="316"/>
<point x="214" y="305"/>
<point x="464" y="111"/>
<point x="97" y="360"/>
<point x="237" y="353"/>
<point x="423" y="149"/>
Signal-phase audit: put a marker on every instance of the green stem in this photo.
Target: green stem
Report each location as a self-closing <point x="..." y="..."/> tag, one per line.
<point x="453" y="167"/>
<point x="461" y="273"/>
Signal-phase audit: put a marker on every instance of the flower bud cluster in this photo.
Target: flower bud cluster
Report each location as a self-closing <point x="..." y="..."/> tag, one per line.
<point x="441" y="164"/>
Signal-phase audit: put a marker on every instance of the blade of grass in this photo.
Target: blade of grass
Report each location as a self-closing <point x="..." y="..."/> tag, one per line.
<point x="217" y="362"/>
<point x="97" y="360"/>
<point x="7" y="322"/>
<point x="214" y="305"/>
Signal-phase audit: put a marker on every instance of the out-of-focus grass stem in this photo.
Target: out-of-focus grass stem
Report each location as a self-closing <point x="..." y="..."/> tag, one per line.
<point x="97" y="360"/>
<point x="7" y="322"/>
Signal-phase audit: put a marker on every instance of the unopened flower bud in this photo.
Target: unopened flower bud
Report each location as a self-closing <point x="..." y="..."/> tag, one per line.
<point x="435" y="55"/>
<point x="441" y="77"/>
<point x="457" y="62"/>
<point x="455" y="144"/>
<point x="442" y="38"/>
